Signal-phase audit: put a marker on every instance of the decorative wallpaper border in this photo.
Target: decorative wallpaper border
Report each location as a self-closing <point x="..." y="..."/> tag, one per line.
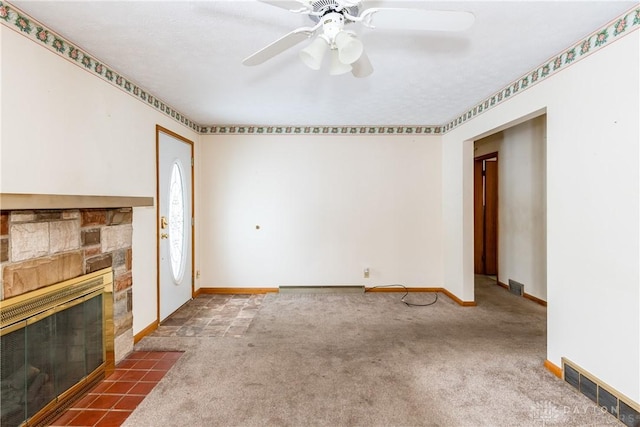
<point x="319" y="130"/>
<point x="619" y="27"/>
<point x="19" y="21"/>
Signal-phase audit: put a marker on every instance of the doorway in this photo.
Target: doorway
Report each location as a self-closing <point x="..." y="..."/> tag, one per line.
<point x="485" y="183"/>
<point x="175" y="221"/>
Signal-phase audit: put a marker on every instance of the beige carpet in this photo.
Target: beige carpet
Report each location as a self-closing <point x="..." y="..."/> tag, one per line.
<point x="367" y="359"/>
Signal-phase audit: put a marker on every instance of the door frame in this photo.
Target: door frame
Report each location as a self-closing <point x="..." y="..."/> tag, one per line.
<point x="482" y="158"/>
<point x="160" y="129"/>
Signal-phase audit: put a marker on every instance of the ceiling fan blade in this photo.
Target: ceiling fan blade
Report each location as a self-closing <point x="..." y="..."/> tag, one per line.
<point x="417" y="19"/>
<point x="287" y="4"/>
<point x="280" y="45"/>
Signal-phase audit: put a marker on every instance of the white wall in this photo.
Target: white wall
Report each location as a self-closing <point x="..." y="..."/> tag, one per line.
<point x="327" y="207"/>
<point x="522" y="245"/>
<point x="457" y="202"/>
<point x="65" y="131"/>
<point x="487" y="145"/>
<point x="593" y="214"/>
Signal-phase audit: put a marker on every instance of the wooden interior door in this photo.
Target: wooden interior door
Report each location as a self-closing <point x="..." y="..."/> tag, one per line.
<point x="486" y="215"/>
<point x="478" y="216"/>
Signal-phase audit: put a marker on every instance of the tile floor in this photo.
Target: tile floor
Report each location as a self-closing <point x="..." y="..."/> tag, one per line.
<point x="112" y="400"/>
<point x="212" y="315"/>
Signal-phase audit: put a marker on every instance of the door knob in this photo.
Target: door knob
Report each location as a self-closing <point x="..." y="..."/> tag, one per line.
<point x="163" y="222"/>
<point x="164" y="236"/>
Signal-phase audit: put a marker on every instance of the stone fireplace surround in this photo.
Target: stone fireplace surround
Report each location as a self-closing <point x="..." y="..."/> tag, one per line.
<point x="47" y="239"/>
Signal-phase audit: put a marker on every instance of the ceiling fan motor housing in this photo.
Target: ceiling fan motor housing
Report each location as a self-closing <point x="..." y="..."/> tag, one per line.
<point x="332" y="24"/>
<point x="323" y="7"/>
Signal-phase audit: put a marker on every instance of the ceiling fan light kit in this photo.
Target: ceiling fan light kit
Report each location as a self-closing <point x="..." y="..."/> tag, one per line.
<point x="336" y="66"/>
<point x="313" y="54"/>
<point x="348" y="46"/>
<point x="347" y="51"/>
<point x="362" y="67"/>
<point x="345" y="47"/>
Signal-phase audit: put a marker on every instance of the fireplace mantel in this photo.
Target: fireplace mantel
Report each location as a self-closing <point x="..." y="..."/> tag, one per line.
<point x="17" y="201"/>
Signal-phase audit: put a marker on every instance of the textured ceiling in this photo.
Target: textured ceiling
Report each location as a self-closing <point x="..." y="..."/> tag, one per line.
<point x="189" y="54"/>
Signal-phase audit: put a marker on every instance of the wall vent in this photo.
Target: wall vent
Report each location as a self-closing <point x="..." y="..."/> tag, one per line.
<point x="571" y="376"/>
<point x="617" y="404"/>
<point x="323" y="289"/>
<point x="516" y="288"/>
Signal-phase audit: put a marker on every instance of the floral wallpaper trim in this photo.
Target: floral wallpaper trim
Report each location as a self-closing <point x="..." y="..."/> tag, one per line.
<point x="319" y="130"/>
<point x="15" y="19"/>
<point x="625" y="24"/>
<point x="24" y="24"/>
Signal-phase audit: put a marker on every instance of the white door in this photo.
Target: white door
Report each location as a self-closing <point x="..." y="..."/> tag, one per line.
<point x="175" y="223"/>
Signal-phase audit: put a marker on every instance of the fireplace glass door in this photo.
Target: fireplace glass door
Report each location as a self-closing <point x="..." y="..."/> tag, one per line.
<point x="46" y="355"/>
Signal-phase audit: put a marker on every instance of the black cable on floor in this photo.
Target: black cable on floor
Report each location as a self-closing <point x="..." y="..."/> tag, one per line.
<point x="406" y="292"/>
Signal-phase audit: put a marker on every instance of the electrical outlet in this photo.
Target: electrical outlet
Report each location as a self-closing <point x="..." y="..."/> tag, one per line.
<point x="366" y="273"/>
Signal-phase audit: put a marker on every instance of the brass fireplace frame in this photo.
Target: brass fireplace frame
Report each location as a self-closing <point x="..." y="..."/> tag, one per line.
<point x="31" y="307"/>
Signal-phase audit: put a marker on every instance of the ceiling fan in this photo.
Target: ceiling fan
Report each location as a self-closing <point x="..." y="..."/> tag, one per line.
<point x="346" y="50"/>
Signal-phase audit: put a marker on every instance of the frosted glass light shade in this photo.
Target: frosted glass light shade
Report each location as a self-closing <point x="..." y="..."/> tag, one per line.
<point x="312" y="55"/>
<point x="349" y="47"/>
<point x="336" y="67"/>
<point x="362" y="67"/>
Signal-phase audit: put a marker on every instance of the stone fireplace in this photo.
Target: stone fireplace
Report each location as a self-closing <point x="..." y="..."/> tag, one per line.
<point x="47" y="240"/>
<point x="45" y="247"/>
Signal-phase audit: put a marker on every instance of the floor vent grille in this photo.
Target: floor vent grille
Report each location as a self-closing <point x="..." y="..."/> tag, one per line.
<point x="337" y="289"/>
<point x="516" y="288"/>
<point x="617" y="404"/>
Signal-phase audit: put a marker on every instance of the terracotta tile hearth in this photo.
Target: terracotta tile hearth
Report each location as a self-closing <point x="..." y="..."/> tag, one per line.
<point x="116" y="397"/>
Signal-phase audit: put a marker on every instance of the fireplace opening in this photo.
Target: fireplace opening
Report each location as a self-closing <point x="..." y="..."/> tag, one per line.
<point x="53" y="346"/>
